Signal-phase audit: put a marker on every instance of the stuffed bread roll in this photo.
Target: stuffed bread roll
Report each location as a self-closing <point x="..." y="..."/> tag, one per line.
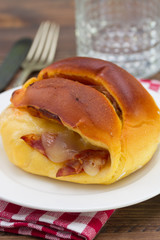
<point x="81" y="120"/>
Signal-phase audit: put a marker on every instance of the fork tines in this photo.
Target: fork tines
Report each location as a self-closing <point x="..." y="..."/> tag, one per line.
<point x="44" y="45"/>
<point x="42" y="51"/>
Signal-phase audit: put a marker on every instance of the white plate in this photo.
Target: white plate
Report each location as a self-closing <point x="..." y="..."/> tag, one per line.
<point x="43" y="193"/>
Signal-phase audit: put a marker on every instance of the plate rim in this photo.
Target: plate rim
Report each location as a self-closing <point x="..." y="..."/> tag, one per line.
<point x="100" y="207"/>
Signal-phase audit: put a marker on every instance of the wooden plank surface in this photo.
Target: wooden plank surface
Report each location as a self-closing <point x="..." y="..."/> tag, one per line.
<point x="21" y="19"/>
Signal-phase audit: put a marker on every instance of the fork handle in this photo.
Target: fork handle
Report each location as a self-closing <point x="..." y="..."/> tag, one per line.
<point x="22" y="78"/>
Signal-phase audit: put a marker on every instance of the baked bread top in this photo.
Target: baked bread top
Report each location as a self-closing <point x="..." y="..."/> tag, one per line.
<point x="105" y="105"/>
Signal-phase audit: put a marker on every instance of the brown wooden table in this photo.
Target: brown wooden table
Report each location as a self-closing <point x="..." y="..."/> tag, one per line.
<point x="21" y="19"/>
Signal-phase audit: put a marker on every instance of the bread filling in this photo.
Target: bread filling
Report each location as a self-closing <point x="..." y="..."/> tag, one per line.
<point x="69" y="149"/>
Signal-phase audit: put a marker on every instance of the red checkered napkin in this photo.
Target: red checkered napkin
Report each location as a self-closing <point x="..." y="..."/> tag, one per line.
<point x="151" y="84"/>
<point x="51" y="225"/>
<point x="56" y="225"/>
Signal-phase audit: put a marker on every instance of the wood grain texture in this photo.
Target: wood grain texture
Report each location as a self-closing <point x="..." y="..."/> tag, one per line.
<point x="20" y="19"/>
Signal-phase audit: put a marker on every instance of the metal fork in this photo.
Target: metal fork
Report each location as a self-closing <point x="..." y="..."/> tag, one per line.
<point x="42" y="51"/>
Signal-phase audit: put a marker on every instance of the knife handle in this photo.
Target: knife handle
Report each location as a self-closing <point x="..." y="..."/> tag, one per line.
<point x="13" y="61"/>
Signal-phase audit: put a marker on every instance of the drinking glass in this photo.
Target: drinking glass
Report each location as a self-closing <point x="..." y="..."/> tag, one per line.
<point x="126" y="32"/>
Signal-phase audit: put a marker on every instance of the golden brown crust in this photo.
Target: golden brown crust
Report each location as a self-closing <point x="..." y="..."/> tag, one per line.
<point x="122" y="86"/>
<point x="78" y="106"/>
<point x="64" y="90"/>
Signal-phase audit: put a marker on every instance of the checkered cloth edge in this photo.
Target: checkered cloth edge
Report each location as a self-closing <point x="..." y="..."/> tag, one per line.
<point x="56" y="225"/>
<point x="51" y="225"/>
<point x="151" y="84"/>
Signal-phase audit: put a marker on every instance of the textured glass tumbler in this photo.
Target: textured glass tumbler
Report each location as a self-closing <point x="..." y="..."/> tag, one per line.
<point x="126" y="32"/>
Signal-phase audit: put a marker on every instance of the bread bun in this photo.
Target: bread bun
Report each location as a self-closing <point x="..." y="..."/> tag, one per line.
<point x="81" y="120"/>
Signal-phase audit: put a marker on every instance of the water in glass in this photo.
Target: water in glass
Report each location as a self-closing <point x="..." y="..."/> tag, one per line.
<point x="126" y="32"/>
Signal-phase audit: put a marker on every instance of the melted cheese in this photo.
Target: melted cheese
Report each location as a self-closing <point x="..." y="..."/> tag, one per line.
<point x="64" y="145"/>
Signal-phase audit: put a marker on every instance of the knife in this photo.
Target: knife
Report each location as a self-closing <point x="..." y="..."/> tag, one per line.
<point x="13" y="61"/>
